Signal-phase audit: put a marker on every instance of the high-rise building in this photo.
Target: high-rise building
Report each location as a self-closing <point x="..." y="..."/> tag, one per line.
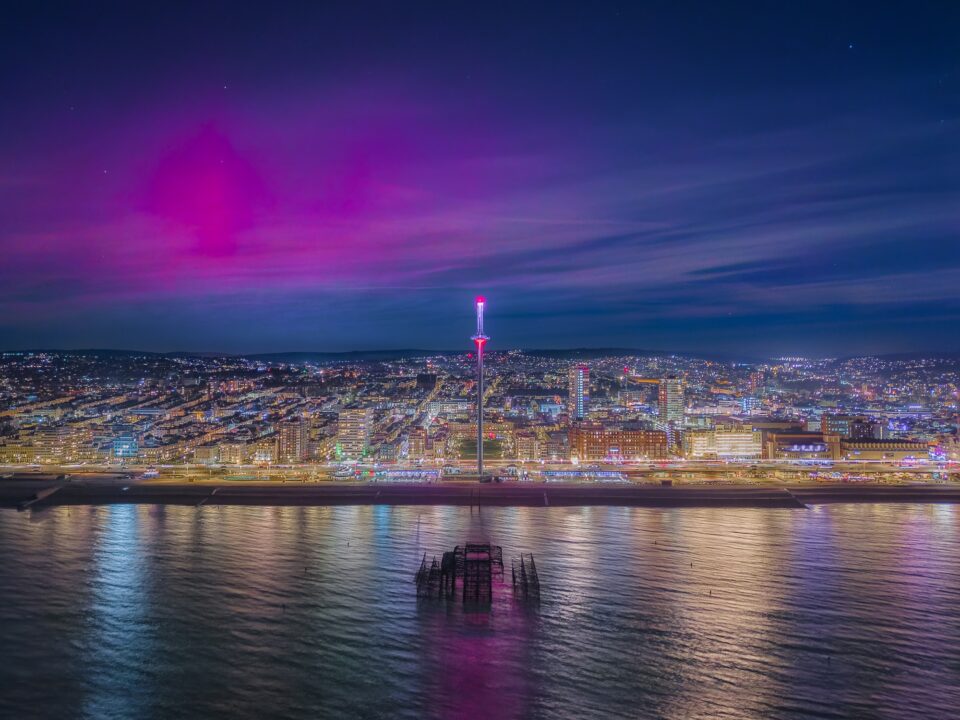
<point x="354" y="427"/>
<point x="671" y="401"/>
<point x="292" y="441"/>
<point x="671" y="406"/>
<point x="578" y="389"/>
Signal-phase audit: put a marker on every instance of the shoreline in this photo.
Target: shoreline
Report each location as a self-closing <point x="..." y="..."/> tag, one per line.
<point x="39" y="494"/>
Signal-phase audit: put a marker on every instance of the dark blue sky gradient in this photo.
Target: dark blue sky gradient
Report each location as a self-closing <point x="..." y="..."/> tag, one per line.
<point x="757" y="178"/>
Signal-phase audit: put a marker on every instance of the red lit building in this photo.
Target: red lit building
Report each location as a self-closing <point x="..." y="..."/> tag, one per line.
<point x="594" y="442"/>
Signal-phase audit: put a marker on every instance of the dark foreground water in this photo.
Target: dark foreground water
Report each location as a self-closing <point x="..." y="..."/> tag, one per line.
<point x="250" y="612"/>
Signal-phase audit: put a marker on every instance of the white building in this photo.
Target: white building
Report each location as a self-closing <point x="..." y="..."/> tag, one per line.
<point x="725" y="442"/>
<point x="354" y="427"/>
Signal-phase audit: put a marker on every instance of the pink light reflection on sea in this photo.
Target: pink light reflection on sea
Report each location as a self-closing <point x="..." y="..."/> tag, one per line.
<point x="481" y="658"/>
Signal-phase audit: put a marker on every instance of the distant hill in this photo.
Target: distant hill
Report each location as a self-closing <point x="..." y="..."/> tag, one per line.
<point x="912" y="356"/>
<point x="351" y="355"/>
<point x="584" y="353"/>
<point x="300" y="356"/>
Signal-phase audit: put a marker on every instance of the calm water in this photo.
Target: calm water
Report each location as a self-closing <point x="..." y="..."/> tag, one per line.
<point x="249" y="612"/>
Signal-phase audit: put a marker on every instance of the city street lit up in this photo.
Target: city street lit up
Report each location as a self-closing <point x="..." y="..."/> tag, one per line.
<point x="459" y="361"/>
<point x="415" y="419"/>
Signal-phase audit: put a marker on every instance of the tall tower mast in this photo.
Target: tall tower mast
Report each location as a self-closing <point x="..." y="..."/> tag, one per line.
<point x="480" y="339"/>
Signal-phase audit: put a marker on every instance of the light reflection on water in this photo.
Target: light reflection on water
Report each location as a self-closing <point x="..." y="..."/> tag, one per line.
<point x="231" y="612"/>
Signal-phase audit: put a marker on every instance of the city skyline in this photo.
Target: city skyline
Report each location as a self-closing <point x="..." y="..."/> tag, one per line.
<point x="417" y="417"/>
<point x="745" y="179"/>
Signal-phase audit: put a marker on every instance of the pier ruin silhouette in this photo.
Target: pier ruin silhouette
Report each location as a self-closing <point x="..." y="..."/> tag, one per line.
<point x="469" y="571"/>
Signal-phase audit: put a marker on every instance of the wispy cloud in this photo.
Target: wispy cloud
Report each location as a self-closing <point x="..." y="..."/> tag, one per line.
<point x="387" y="209"/>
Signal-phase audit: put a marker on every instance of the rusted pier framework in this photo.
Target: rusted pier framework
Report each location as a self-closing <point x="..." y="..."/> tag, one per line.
<point x="526" y="581"/>
<point x="469" y="571"/>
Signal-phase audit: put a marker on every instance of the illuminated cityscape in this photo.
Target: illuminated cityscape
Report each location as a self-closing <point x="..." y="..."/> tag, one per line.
<point x="366" y="359"/>
<point x="649" y="416"/>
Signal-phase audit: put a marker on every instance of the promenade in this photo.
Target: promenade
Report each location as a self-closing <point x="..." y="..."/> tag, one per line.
<point x="45" y="491"/>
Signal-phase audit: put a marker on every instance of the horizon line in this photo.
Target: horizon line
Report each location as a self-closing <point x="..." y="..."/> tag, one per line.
<point x="413" y="351"/>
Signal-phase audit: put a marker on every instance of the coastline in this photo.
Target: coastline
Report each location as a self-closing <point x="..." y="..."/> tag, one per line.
<point x="38" y="494"/>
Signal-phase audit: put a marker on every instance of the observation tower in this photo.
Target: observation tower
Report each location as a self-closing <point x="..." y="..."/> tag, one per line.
<point x="480" y="340"/>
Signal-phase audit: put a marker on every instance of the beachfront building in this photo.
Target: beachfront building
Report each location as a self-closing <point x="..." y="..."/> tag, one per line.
<point x="417" y="443"/>
<point x="292" y="441"/>
<point x="802" y="445"/>
<point x="594" y="442"/>
<point x="725" y="442"/>
<point x="884" y="450"/>
<point x="233" y="453"/>
<point x="354" y="428"/>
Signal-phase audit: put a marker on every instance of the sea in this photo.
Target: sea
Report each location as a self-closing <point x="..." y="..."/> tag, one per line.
<point x="230" y="612"/>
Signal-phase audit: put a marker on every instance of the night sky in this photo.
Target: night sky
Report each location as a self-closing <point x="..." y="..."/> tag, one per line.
<point x="762" y="178"/>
